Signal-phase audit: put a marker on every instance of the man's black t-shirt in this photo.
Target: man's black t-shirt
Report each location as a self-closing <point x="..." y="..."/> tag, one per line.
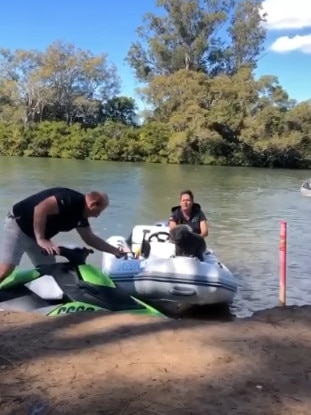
<point x="196" y="216"/>
<point x="71" y="206"/>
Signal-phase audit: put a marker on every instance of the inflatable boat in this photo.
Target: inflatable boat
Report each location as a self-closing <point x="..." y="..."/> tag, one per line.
<point x="305" y="188"/>
<point x="155" y="273"/>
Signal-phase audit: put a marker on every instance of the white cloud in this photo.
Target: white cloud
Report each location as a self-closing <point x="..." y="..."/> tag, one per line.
<point x="289" y="44"/>
<point x="287" y="14"/>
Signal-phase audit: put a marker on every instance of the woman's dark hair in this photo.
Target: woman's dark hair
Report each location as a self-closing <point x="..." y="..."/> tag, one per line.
<point x="187" y="192"/>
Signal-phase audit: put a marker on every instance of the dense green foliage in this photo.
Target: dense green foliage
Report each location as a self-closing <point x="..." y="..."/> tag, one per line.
<point x="206" y="107"/>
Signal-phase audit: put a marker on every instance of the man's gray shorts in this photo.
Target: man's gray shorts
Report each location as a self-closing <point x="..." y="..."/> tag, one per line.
<point x="15" y="243"/>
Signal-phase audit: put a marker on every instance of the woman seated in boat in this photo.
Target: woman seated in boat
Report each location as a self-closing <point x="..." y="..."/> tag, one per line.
<point x="189" y="213"/>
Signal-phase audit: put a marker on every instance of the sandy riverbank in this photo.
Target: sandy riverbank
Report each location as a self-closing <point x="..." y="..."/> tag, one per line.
<point x="126" y="365"/>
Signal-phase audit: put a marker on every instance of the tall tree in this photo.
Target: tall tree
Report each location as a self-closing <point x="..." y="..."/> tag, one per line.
<point x="182" y="39"/>
<point x="247" y="35"/>
<point x="17" y="75"/>
<point x="62" y="83"/>
<point x="120" y="109"/>
<point x="79" y="80"/>
<point x="188" y="36"/>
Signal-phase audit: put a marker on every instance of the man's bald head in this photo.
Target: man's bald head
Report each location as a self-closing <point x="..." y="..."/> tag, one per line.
<point x="96" y="202"/>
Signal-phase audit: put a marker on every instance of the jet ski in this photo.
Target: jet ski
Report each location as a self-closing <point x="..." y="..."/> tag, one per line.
<point x="67" y="287"/>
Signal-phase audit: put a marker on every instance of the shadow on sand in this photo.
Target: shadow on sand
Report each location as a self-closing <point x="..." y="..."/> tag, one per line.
<point x="95" y="363"/>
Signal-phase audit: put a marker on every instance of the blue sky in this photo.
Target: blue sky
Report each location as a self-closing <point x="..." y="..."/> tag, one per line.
<point x="110" y="27"/>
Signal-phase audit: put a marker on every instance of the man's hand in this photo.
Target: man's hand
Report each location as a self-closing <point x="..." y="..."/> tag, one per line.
<point x="98" y="243"/>
<point x="121" y="252"/>
<point x="48" y="246"/>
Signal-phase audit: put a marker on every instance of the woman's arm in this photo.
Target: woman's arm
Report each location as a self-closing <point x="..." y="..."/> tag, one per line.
<point x="204" y="228"/>
<point x="203" y="224"/>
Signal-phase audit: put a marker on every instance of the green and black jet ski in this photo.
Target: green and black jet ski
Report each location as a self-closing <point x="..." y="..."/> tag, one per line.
<point x="66" y="287"/>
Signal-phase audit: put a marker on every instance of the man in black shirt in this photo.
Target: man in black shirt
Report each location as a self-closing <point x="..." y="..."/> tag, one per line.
<point x="36" y="219"/>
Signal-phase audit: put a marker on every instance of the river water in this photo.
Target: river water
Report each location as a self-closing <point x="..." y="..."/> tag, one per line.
<point x="244" y="207"/>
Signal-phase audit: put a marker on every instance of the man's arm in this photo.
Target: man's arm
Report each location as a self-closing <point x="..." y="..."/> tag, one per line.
<point x="47" y="207"/>
<point x="95" y="241"/>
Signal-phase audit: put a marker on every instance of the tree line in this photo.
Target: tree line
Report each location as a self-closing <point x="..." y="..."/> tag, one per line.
<point x="196" y="64"/>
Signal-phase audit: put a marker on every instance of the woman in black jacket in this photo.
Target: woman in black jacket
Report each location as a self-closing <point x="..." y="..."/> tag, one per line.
<point x="189" y="213"/>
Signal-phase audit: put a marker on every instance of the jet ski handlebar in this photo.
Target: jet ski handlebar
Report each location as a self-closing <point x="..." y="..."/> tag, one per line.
<point x="76" y="255"/>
